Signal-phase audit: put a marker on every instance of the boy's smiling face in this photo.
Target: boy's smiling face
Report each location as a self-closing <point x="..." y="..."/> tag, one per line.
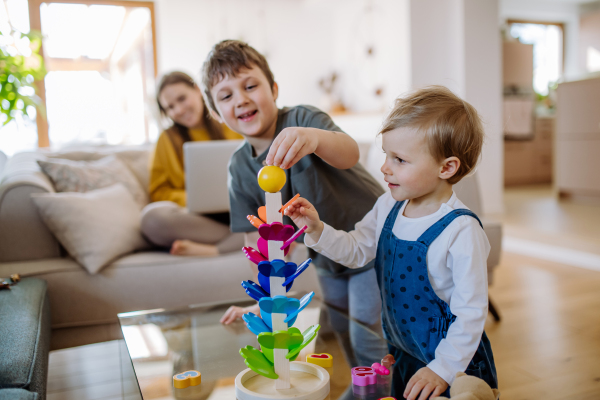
<point x="409" y="168"/>
<point x="246" y="103"/>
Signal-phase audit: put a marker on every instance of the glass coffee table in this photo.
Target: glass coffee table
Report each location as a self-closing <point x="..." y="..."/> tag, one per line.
<point x="162" y="343"/>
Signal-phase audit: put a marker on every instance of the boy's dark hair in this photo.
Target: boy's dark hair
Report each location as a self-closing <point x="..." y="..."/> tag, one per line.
<point x="452" y="127"/>
<point x="226" y="58"/>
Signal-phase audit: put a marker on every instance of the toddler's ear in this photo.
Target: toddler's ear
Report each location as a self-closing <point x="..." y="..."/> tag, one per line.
<point x="449" y="167"/>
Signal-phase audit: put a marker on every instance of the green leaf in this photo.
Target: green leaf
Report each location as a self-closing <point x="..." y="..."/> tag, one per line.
<point x="308" y="335"/>
<point x="257" y="362"/>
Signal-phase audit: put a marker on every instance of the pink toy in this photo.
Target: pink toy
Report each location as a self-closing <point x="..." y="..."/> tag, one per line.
<point x="253" y="255"/>
<point x="363" y="376"/>
<point x="276" y="231"/>
<point x="294" y="237"/>
<point x="380" y="369"/>
<point x="263" y="248"/>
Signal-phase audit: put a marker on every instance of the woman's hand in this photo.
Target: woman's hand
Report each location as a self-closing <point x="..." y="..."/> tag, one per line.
<point x="304" y="213"/>
<point x="291" y="145"/>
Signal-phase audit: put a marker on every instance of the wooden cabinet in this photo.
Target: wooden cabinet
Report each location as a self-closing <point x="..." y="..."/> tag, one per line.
<point x="578" y="138"/>
<point x="530" y="161"/>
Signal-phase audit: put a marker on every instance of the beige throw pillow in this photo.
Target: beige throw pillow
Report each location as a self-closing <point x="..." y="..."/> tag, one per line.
<point x="83" y="176"/>
<point x="94" y="227"/>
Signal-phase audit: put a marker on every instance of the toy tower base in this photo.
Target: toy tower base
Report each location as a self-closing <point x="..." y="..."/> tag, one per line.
<point x="307" y="381"/>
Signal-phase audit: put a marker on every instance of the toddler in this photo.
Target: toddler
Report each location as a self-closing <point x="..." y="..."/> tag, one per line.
<point x="430" y="251"/>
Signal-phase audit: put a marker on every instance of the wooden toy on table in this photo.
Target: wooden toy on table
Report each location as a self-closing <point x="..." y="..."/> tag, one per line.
<point x="280" y="342"/>
<point x="363" y="376"/>
<point x="324" y="360"/>
<point x="186" y="379"/>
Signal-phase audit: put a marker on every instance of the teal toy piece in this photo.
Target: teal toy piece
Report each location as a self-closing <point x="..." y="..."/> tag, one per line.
<point x="257" y="362"/>
<point x="278" y="305"/>
<point x="255" y="324"/>
<point x="301" y="268"/>
<point x="308" y="336"/>
<point x="304" y="301"/>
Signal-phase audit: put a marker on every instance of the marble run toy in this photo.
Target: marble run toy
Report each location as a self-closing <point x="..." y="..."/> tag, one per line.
<point x="280" y="342"/>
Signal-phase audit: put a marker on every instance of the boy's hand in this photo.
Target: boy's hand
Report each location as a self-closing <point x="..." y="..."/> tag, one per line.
<point x="426" y="382"/>
<point x="304" y="213"/>
<point x="291" y="145"/>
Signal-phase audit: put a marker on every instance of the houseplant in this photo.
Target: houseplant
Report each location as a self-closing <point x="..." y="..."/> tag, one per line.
<point x="20" y="66"/>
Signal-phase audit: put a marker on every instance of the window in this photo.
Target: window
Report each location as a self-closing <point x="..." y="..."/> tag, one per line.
<point x="101" y="64"/>
<point x="547" y="41"/>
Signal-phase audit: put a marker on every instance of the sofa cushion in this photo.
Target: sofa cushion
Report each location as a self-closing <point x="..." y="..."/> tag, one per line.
<point x="17" y="394"/>
<point x="24" y="336"/>
<point x="84" y="176"/>
<point x="95" y="227"/>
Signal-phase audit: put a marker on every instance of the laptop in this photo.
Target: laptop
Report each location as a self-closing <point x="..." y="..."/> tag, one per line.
<point x="206" y="174"/>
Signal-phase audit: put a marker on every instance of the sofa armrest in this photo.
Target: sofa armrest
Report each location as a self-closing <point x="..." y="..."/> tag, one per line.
<point x="23" y="234"/>
<point x="493" y="230"/>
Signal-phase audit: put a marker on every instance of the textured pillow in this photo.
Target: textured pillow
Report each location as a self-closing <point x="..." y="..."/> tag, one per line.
<point x="138" y="162"/>
<point x="94" y="227"/>
<point x="83" y="176"/>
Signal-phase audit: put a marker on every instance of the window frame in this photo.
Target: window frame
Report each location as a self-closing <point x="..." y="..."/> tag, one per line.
<point x="561" y="25"/>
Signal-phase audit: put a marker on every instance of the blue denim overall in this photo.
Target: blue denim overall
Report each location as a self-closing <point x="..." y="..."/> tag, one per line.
<point x="414" y="318"/>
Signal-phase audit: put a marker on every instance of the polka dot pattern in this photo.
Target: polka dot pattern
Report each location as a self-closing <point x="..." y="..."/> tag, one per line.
<point x="420" y="319"/>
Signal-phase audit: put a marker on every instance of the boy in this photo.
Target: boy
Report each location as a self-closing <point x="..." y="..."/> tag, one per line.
<point x="430" y="251"/>
<point x="320" y="163"/>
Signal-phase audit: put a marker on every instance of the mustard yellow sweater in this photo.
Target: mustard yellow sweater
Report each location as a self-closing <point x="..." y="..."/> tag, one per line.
<point x="167" y="179"/>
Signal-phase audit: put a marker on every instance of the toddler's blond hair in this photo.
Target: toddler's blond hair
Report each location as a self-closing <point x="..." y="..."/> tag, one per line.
<point x="452" y="127"/>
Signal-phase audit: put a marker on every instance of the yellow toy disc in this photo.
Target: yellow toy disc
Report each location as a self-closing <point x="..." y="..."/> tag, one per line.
<point x="186" y="379"/>
<point x="271" y="179"/>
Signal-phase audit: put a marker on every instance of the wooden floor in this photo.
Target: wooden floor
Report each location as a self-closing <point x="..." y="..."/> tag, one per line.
<point x="547" y="345"/>
<point x="97" y="371"/>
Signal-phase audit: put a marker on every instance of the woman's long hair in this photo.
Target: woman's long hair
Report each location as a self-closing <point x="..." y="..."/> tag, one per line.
<point x="214" y="129"/>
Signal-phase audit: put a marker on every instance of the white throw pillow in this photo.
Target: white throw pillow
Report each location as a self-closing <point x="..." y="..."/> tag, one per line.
<point x="94" y="227"/>
<point x="83" y="176"/>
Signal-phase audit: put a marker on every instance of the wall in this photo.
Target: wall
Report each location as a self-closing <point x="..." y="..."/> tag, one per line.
<point x="550" y="11"/>
<point x="449" y="42"/>
<point x="456" y="43"/>
<point x="303" y="41"/>
<point x="589" y="36"/>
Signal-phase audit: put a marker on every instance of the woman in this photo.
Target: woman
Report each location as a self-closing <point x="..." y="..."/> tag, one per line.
<point x="166" y="222"/>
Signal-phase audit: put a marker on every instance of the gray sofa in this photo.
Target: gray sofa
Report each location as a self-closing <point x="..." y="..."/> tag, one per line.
<point x="85" y="307"/>
<point x="24" y="340"/>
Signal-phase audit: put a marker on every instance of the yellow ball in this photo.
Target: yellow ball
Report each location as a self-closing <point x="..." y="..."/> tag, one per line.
<point x="271" y="179"/>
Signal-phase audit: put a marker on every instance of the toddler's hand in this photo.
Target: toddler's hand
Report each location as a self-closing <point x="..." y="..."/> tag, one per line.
<point x="291" y="145"/>
<point x="426" y="382"/>
<point x="235" y="312"/>
<point x="304" y="213"/>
